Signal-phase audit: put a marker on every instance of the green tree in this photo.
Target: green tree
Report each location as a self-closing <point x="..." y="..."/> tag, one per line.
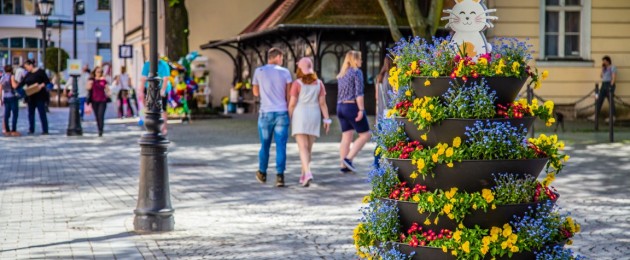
<point x="176" y="29"/>
<point x="421" y="25"/>
<point x="56" y="59"/>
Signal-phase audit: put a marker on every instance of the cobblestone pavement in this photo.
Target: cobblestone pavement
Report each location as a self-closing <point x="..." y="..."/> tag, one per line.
<point x="73" y="198"/>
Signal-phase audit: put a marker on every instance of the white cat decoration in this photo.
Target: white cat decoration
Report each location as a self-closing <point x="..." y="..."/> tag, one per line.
<point x="469" y="18"/>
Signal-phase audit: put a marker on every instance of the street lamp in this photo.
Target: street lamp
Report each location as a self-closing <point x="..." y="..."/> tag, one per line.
<point x="45" y="8"/>
<point x="97" y="33"/>
<point x="74" y="119"/>
<point x="153" y="212"/>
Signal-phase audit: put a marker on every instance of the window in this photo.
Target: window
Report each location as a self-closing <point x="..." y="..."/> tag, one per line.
<point x="564" y="30"/>
<point x="7" y="7"/>
<point x="24" y="7"/>
<point x="103" y="4"/>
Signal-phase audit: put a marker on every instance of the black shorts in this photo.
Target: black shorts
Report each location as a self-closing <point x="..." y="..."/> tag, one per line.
<point x="347" y="113"/>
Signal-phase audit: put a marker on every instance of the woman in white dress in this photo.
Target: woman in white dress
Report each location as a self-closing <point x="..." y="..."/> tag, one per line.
<point x="308" y="98"/>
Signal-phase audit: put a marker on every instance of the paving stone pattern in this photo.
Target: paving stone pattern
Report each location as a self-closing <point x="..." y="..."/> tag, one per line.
<point x="73" y="198"/>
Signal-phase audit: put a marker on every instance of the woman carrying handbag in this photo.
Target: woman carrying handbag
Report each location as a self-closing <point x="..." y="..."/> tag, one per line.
<point x="99" y="92"/>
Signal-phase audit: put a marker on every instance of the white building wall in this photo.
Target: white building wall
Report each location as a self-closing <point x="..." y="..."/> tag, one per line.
<point x="25" y="26"/>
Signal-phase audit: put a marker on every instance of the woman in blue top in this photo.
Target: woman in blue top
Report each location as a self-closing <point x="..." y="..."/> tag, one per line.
<point x="10" y="100"/>
<point x="351" y="110"/>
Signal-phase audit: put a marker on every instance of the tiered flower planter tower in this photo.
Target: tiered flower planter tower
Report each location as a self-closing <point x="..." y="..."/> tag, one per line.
<point x="458" y="178"/>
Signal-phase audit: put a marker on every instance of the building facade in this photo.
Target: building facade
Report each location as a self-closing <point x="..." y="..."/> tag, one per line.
<point x="21" y="36"/>
<point x="569" y="38"/>
<point x="208" y="19"/>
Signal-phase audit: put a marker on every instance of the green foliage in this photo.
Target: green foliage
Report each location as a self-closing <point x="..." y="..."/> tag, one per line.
<point x="52" y="54"/>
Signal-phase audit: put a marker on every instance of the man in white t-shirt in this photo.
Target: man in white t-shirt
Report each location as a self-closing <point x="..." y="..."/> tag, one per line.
<point x="271" y="83"/>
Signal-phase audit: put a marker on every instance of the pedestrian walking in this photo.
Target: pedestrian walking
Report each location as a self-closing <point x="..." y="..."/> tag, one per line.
<point x="10" y="101"/>
<point x="306" y="107"/>
<point x="351" y="110"/>
<point x="609" y="78"/>
<point x="123" y="84"/>
<point x="82" y="88"/>
<point x="382" y="97"/>
<point x="98" y="96"/>
<point x="163" y="73"/>
<point x="272" y="83"/>
<point x="36" y="78"/>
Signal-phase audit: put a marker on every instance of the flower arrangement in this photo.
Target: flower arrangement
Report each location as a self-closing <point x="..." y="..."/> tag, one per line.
<point x="488" y="140"/>
<point x="379" y="223"/>
<point x="426" y="111"/>
<point x="382" y="180"/>
<point x="418" y="58"/>
<point x="473" y="101"/>
<point x="520" y="108"/>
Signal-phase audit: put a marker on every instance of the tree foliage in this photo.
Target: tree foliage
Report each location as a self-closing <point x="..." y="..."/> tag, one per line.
<point x="55" y="55"/>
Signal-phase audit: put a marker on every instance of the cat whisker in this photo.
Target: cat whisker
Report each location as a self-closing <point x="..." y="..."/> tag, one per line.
<point x="490" y="10"/>
<point x="492" y="18"/>
<point x="490" y="25"/>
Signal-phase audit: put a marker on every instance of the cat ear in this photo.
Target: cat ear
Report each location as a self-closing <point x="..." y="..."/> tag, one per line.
<point x="477" y="1"/>
<point x="458" y="1"/>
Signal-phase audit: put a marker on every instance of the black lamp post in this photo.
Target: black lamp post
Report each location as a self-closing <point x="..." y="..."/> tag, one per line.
<point x="98" y="34"/>
<point x="74" y="119"/>
<point x="153" y="212"/>
<point x="45" y="8"/>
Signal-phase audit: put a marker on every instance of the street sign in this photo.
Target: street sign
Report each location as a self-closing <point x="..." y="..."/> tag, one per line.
<point x="98" y="60"/>
<point x="125" y="51"/>
<point x="80" y="7"/>
<point x="74" y="67"/>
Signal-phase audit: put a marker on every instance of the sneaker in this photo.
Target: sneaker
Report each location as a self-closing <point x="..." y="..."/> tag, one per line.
<point x="308" y="177"/>
<point x="280" y="180"/>
<point x="261" y="176"/>
<point x="302" y="178"/>
<point x="348" y="164"/>
<point x="16" y="134"/>
<point x="345" y="170"/>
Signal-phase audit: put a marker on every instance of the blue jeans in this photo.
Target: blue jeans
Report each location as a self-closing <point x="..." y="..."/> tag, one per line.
<point x="11" y="108"/>
<point x="269" y="124"/>
<point x="40" y="105"/>
<point x="82" y="106"/>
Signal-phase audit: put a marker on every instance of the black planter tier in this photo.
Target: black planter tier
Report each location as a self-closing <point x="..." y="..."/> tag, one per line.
<point x="468" y="175"/>
<point x="507" y="88"/>
<point x="434" y="253"/>
<point x="449" y="128"/>
<point x="408" y="214"/>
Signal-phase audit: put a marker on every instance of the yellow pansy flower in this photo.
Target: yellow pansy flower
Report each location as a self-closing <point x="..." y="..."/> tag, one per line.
<point x="450" y="165"/>
<point x="487" y="195"/>
<point x="466" y="247"/>
<point x="447" y="208"/>
<point x="457" y="235"/>
<point x="420" y="165"/>
<point x="434" y="157"/>
<point x="457" y="142"/>
<point x="408" y="93"/>
<point x="449" y="152"/>
<point x="423" y="137"/>
<point x="427" y="222"/>
<point x="435" y="74"/>
<point x="545" y="74"/>
<point x="449" y="194"/>
<point x="427" y="83"/>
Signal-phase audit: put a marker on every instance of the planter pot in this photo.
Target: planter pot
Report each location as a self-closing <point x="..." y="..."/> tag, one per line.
<point x="468" y="175"/>
<point x="424" y="252"/>
<point x="507" y="88"/>
<point x="434" y="253"/>
<point x="449" y="128"/>
<point x="408" y="214"/>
